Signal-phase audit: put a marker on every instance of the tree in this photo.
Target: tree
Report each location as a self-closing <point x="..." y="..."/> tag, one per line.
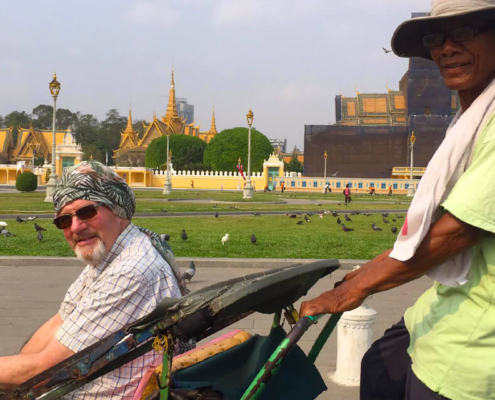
<point x="65" y="118"/>
<point x="42" y="116"/>
<point x="17" y="119"/>
<point x="93" y="150"/>
<point x="110" y="128"/>
<point x="226" y="147"/>
<point x="294" y="164"/>
<point x="187" y="152"/>
<point x="86" y="128"/>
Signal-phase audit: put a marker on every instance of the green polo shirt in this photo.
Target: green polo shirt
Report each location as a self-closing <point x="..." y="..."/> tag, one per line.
<point x="453" y="328"/>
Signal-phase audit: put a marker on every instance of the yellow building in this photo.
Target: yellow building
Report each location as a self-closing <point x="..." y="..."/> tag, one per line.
<point x="29" y="140"/>
<point x="171" y="123"/>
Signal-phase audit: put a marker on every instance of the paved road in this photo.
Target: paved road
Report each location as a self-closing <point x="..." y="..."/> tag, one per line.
<point x="29" y="295"/>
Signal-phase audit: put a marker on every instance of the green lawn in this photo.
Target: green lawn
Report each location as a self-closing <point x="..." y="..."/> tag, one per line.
<point x="278" y="237"/>
<point x="154" y="201"/>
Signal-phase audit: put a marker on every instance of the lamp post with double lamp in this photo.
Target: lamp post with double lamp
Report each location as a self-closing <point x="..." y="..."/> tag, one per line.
<point x="167" y="187"/>
<point x="411" y="190"/>
<point x="248" y="188"/>
<point x="239" y="174"/>
<point x="52" y="182"/>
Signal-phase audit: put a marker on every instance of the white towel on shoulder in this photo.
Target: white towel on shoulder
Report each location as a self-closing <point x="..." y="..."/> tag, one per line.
<point x="445" y="168"/>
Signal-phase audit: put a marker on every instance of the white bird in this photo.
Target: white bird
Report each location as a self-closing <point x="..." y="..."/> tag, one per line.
<point x="3" y="223"/>
<point x="30" y="218"/>
<point x="225" y="239"/>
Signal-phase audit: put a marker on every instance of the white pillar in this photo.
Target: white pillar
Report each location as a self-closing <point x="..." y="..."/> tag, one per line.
<point x="354" y="338"/>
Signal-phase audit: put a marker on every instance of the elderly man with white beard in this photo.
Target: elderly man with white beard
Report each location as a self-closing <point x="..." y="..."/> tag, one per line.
<point x="129" y="271"/>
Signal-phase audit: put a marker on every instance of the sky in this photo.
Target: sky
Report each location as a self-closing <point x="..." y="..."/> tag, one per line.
<point x="285" y="59"/>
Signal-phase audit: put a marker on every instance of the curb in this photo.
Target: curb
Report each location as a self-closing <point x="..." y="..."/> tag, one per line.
<point x="183" y="262"/>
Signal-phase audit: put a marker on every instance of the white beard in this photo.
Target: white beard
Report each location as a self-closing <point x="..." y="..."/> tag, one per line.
<point x="92" y="255"/>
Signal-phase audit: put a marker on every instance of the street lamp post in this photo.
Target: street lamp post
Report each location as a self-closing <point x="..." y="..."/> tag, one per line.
<point x="239" y="174"/>
<point x="167" y="187"/>
<point x="325" y="171"/>
<point x="411" y="191"/>
<point x="52" y="182"/>
<point x="248" y="188"/>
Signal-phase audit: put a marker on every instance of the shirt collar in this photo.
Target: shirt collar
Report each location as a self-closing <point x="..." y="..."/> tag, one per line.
<point x="120" y="243"/>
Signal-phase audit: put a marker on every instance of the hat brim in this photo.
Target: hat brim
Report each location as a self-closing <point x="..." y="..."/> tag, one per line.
<point x="407" y="40"/>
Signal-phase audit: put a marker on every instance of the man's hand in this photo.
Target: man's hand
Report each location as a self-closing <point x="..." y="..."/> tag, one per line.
<point x="344" y="297"/>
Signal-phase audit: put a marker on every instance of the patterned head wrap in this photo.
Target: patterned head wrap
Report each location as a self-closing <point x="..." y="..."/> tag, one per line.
<point x="91" y="180"/>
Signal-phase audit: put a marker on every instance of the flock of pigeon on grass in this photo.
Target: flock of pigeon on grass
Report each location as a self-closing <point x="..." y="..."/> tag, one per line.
<point x="346" y="229"/>
<point x="5" y="232"/>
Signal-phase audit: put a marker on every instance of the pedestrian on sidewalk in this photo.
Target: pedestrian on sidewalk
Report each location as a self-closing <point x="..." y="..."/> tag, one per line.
<point x="347" y="195"/>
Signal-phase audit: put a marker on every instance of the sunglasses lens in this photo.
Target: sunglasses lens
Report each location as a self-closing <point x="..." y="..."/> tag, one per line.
<point x="62" y="222"/>
<point x="86" y="213"/>
<point x="463" y="34"/>
<point x="433" y="40"/>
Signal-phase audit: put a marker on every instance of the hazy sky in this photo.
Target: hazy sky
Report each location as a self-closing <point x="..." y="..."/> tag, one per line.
<point x="287" y="59"/>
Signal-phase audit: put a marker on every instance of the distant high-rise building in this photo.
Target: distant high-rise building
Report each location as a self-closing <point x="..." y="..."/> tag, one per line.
<point x="185" y="110"/>
<point x="279" y="143"/>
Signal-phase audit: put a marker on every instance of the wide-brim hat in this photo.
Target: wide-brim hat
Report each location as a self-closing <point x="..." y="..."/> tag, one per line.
<point x="408" y="37"/>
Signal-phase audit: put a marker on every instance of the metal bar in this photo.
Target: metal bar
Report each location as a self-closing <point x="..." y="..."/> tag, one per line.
<point x="272" y="365"/>
<point x="323" y="337"/>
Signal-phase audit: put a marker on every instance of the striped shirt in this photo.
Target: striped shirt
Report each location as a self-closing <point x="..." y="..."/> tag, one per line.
<point x="127" y="285"/>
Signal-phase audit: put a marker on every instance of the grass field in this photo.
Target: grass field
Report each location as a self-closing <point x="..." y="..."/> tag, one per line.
<point x="278" y="237"/>
<point x="149" y="201"/>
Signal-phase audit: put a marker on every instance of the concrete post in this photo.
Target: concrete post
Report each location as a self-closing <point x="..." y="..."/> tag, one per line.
<point x="354" y="338"/>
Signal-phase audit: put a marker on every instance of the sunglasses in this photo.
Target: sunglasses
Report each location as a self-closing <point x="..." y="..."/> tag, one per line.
<point x="458" y="35"/>
<point x="84" y="214"/>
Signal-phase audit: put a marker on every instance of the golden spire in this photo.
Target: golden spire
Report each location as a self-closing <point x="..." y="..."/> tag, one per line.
<point x="129" y="131"/>
<point x="172" y="119"/>
<point x="213" y="127"/>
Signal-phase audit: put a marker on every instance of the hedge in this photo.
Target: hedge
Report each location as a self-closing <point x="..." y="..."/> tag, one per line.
<point x="26" y="182"/>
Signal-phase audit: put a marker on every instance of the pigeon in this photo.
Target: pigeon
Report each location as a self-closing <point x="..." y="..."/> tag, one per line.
<point x="215" y="205"/>
<point x="386" y="51"/>
<point x="339" y="203"/>
<point x="320" y="215"/>
<point x="367" y="215"/>
<point x="40" y="236"/>
<point x="400" y="216"/>
<point x="299" y="215"/>
<point x="3" y="223"/>
<point x="165" y="237"/>
<point x="394" y="220"/>
<point x="216" y="214"/>
<point x="309" y="214"/>
<point x="6" y="233"/>
<point x="299" y="222"/>
<point x="319" y="204"/>
<point x="306" y="218"/>
<point x="253" y="239"/>
<point x="38" y="228"/>
<point x="256" y="214"/>
<point x="19" y="219"/>
<point x="293" y="216"/>
<point x="393" y="229"/>
<point x="184" y="235"/>
<point x="346" y="229"/>
<point x="334" y="214"/>
<point x="385" y="221"/>
<point x="30" y="218"/>
<point x="347" y="218"/>
<point x="339" y="221"/>
<point x="326" y="212"/>
<point x="163" y="210"/>
<point x="190" y="272"/>
<point x="375" y="228"/>
<point x="385" y="215"/>
<point x="225" y="239"/>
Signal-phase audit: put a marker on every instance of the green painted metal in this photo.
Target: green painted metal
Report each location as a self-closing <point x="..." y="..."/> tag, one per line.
<point x="164" y="377"/>
<point x="276" y="319"/>
<point x="323" y="337"/>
